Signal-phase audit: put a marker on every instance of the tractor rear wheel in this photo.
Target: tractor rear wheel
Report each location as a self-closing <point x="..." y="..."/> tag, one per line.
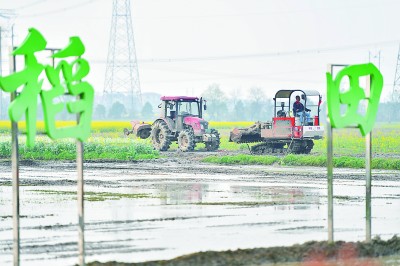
<point x="186" y="140"/>
<point x="213" y="146"/>
<point x="159" y="136"/>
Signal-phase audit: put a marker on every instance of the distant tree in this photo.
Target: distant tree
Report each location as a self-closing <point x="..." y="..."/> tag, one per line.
<point x="235" y="96"/>
<point x="216" y="102"/>
<point x="387" y="112"/>
<point x="239" y="113"/>
<point x="257" y="99"/>
<point x="100" y="112"/>
<point x="117" y="111"/>
<point x="147" y="111"/>
<point x="223" y="114"/>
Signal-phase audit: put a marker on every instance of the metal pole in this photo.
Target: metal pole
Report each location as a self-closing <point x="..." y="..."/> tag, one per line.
<point x="368" y="177"/>
<point x="330" y="182"/>
<point x="12" y="36"/>
<point x="368" y="155"/>
<point x="1" y="70"/>
<point x="330" y="175"/>
<point x="81" y="229"/>
<point x="379" y="62"/>
<point x="15" y="176"/>
<point x="1" y="51"/>
<point x="79" y="168"/>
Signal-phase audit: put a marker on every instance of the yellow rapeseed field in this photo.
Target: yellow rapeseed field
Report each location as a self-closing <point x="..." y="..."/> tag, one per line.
<point x="107" y="126"/>
<point x="97" y="126"/>
<point x="229" y="125"/>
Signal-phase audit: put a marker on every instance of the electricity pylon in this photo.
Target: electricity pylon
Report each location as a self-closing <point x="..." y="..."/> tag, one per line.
<point x="122" y="75"/>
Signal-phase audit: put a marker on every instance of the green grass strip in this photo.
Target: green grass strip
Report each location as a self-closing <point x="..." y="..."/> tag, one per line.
<point x="242" y="159"/>
<point x="304" y="160"/>
<point x="93" y="151"/>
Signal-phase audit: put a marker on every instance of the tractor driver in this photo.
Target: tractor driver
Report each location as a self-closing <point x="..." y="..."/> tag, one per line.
<point x="172" y="112"/>
<point x="298" y="110"/>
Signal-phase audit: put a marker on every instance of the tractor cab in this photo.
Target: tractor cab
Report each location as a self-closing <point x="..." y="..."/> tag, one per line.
<point x="180" y="106"/>
<point x="309" y="101"/>
<point x="182" y="111"/>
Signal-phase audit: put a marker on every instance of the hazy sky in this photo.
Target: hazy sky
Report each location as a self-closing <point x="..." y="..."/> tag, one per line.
<point x="238" y="44"/>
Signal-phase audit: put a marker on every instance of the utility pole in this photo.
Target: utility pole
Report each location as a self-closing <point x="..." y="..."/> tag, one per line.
<point x="7" y="17"/>
<point x="396" y="83"/>
<point x="122" y="75"/>
<point x="375" y="57"/>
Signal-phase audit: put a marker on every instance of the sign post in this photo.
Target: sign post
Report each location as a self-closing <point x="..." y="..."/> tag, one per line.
<point x="368" y="176"/>
<point x="80" y="196"/>
<point x="330" y="182"/>
<point x="24" y="103"/>
<point x="81" y="228"/>
<point x="351" y="99"/>
<point x="15" y="177"/>
<point x="329" y="165"/>
<point x="330" y="175"/>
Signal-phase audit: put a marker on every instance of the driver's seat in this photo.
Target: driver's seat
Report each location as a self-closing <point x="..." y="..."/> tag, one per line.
<point x="281" y="113"/>
<point x="172" y="114"/>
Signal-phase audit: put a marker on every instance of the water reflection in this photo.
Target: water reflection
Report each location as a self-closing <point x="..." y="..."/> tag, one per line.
<point x="178" y="193"/>
<point x="283" y="197"/>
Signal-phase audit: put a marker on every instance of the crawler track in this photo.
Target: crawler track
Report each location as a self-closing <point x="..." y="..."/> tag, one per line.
<point x="279" y="147"/>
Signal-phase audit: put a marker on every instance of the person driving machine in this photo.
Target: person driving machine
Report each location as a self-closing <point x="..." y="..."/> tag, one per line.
<point x="298" y="110"/>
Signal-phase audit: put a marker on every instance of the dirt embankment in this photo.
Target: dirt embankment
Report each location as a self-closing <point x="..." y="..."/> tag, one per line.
<point x="309" y="253"/>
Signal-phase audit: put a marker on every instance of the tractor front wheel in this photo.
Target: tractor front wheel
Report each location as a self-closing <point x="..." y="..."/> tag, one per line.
<point x="159" y="136"/>
<point x="186" y="140"/>
<point x="213" y="146"/>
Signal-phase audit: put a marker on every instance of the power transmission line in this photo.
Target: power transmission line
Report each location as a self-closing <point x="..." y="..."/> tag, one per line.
<point x="274" y="54"/>
<point x="56" y="11"/>
<point x="229" y="74"/>
<point x="258" y="55"/>
<point x="273" y="12"/>
<point x="30" y="5"/>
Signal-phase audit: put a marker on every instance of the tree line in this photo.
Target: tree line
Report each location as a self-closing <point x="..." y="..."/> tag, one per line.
<point x="241" y="105"/>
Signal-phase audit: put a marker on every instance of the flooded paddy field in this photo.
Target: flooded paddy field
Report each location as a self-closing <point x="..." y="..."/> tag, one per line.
<point x="161" y="209"/>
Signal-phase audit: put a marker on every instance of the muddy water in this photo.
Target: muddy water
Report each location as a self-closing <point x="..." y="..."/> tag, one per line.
<point x="167" y="208"/>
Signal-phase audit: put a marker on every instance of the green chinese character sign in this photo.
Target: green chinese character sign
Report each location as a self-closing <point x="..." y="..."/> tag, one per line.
<point x="351" y="98"/>
<point x="71" y="83"/>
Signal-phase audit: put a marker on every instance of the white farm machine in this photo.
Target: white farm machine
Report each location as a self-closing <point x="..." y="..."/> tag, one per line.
<point x="289" y="131"/>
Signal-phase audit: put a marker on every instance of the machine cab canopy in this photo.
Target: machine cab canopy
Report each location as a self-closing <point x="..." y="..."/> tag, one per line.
<point x="284" y="99"/>
<point x="179" y="98"/>
<point x="288" y="93"/>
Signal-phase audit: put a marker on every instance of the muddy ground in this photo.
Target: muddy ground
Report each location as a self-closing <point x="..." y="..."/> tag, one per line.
<point x="310" y="253"/>
<point x="168" y="208"/>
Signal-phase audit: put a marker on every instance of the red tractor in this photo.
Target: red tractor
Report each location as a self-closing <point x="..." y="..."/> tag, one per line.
<point x="181" y="120"/>
<point x="289" y="131"/>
